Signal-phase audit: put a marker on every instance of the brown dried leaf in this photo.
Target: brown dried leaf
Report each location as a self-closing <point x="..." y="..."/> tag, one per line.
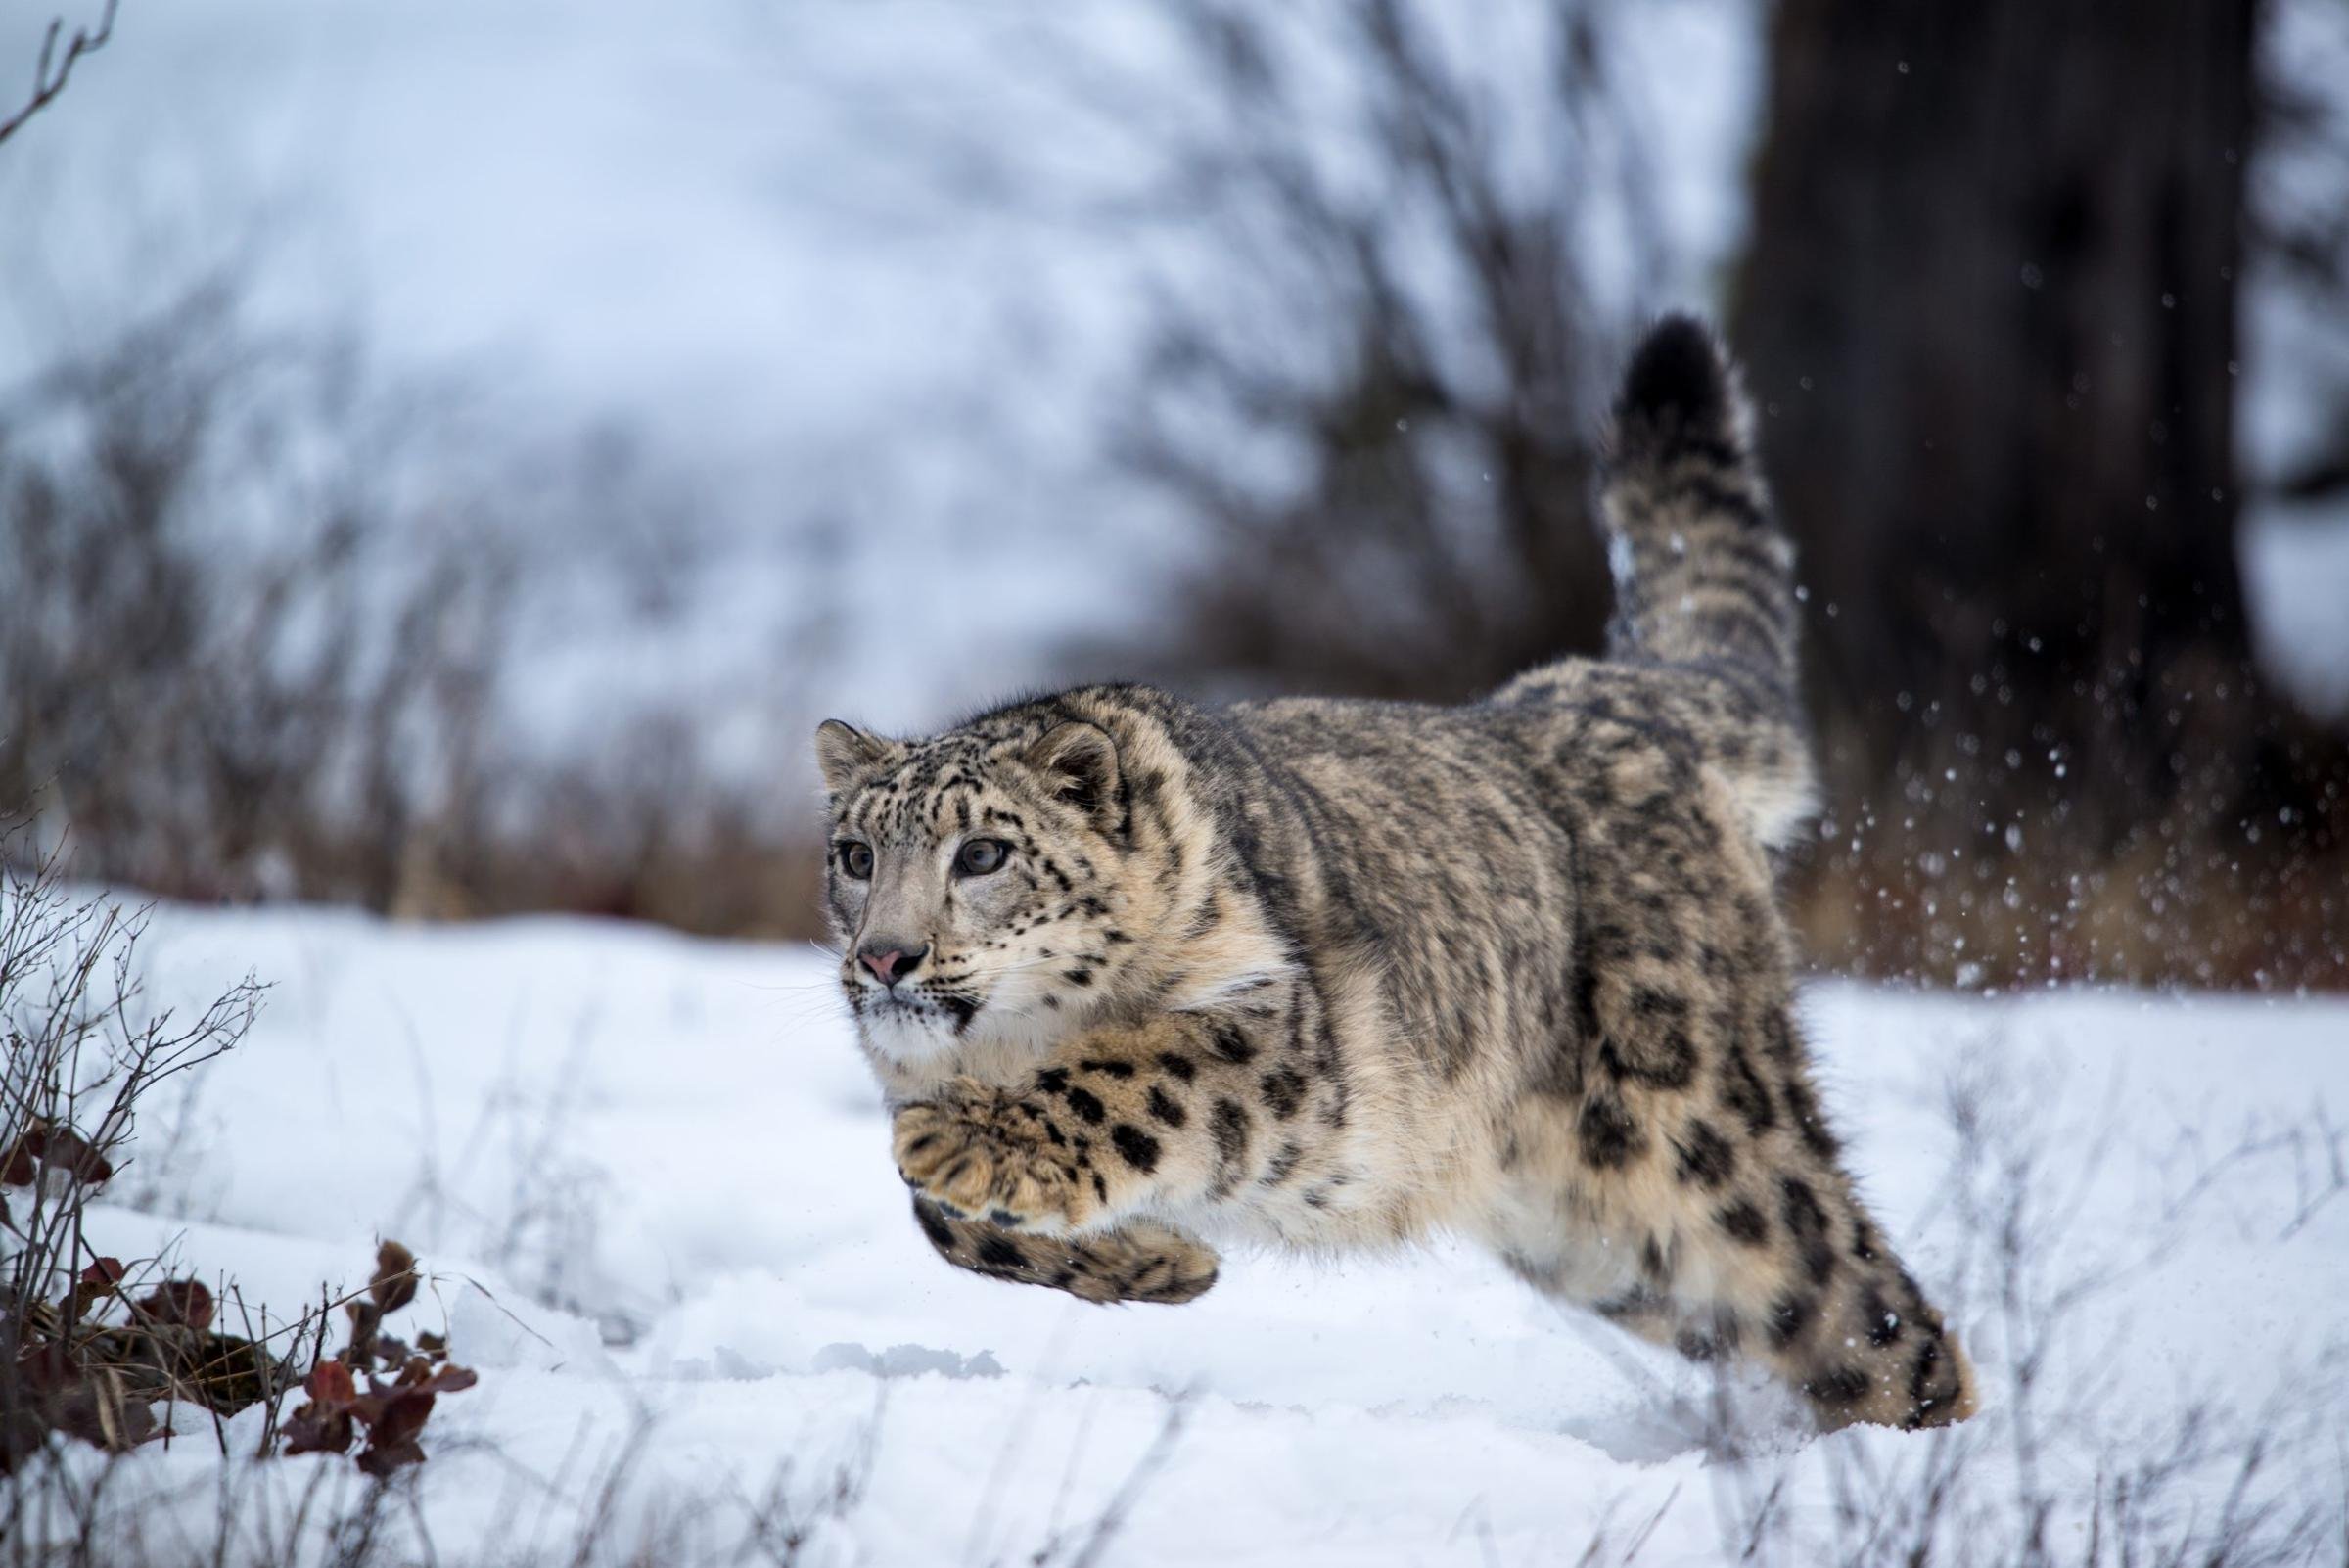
<point x="178" y="1303"/>
<point x="396" y="1414"/>
<point x="330" y="1382"/>
<point x="393" y="1414"/>
<point x="382" y="1458"/>
<point x="395" y="1282"/>
<point x="63" y="1149"/>
<point x="20" y="1166"/>
<point x="98" y="1281"/>
<point x="315" y="1430"/>
<point x="324" y="1424"/>
<point x="422" y="1374"/>
<point x="364" y="1316"/>
<point x="399" y="1417"/>
<point x="433" y="1347"/>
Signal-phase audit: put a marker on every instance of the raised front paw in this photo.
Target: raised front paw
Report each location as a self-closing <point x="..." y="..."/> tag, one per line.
<point x="985" y="1153"/>
<point x="1145" y="1262"/>
<point x="1138" y="1261"/>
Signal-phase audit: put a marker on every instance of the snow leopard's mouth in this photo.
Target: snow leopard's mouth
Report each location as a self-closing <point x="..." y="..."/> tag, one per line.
<point x="949" y="1011"/>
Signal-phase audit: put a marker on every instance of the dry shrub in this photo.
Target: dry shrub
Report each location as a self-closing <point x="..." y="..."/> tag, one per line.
<point x="1383" y="421"/>
<point x="257" y="619"/>
<point x="95" y="1349"/>
<point x="1927" y="882"/>
<point x="228" y="661"/>
<point x="88" y="1345"/>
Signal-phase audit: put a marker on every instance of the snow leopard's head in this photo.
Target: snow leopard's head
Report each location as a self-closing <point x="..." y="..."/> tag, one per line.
<point x="987" y="885"/>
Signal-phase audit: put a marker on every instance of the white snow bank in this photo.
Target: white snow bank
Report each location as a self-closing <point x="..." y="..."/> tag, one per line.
<point x="675" y="1142"/>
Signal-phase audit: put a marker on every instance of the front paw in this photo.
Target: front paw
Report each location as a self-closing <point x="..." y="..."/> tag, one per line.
<point x="1157" y="1264"/>
<point x="984" y="1153"/>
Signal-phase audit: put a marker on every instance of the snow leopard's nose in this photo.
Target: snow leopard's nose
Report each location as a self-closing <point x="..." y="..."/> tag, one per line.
<point x="890" y="962"/>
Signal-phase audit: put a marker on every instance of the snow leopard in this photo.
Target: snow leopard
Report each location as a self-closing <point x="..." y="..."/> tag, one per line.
<point x="1140" y="976"/>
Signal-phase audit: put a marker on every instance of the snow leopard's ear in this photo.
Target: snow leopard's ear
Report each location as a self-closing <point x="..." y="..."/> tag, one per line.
<point x="844" y="753"/>
<point x="1079" y="764"/>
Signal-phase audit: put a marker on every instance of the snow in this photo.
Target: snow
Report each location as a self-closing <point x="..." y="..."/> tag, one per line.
<point x="675" y="1142"/>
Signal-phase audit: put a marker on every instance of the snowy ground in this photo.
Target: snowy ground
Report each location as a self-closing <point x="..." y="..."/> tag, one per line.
<point x="677" y="1140"/>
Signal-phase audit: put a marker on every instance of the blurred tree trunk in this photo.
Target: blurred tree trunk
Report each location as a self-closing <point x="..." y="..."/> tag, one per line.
<point x="1990" y="311"/>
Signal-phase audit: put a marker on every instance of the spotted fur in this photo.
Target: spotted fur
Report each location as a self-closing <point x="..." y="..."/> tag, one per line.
<point x="1339" y="975"/>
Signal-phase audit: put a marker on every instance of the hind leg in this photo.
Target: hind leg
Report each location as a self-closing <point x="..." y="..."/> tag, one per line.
<point x="1816" y="1293"/>
<point x="1805" y="1286"/>
<point x="1776" y="1265"/>
<point x="1675" y="1172"/>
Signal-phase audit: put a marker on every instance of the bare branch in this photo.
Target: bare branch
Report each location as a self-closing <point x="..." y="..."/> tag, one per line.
<point x="50" y="72"/>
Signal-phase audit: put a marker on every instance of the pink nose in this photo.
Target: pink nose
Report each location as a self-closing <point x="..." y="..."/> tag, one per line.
<point x="891" y="964"/>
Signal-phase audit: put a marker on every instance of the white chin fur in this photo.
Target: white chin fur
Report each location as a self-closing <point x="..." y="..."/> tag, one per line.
<point x="902" y="1034"/>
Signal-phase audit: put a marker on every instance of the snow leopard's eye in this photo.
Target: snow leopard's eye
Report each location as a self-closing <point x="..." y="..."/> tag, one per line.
<point x="979" y="857"/>
<point x="855" y="859"/>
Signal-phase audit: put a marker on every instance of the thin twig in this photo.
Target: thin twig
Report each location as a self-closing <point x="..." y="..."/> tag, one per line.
<point x="46" y="85"/>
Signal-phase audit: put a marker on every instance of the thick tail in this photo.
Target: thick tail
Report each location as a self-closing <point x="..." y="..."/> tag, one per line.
<point x="1704" y="579"/>
<point x="1702" y="573"/>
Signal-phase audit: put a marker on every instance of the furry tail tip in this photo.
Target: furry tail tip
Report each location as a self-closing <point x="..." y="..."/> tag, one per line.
<point x="1677" y="391"/>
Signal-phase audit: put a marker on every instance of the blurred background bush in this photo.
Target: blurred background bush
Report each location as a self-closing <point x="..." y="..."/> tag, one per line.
<point x="450" y="455"/>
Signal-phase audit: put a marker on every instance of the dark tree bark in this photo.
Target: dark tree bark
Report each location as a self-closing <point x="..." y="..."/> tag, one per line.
<point x="1990" y="314"/>
<point x="1990" y="310"/>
